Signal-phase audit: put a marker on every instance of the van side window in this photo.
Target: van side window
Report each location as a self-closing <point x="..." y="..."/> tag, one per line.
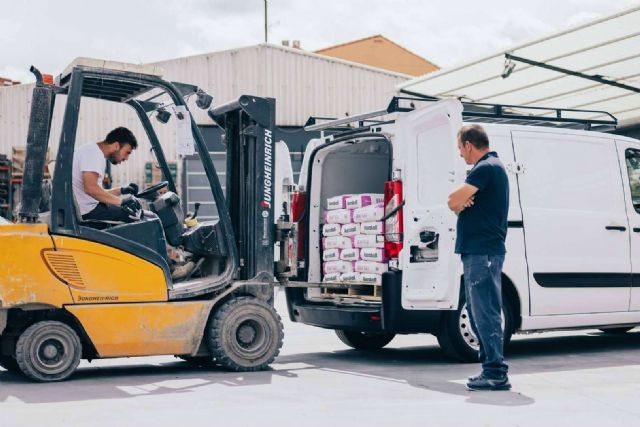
<point x="633" y="169"/>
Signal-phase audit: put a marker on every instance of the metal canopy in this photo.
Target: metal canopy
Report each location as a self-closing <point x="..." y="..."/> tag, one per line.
<point x="112" y="89"/>
<point x="110" y="80"/>
<point x="608" y="47"/>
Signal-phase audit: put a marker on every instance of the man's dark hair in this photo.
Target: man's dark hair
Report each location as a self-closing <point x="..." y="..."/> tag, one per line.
<point x="475" y="134"/>
<point x="123" y="136"/>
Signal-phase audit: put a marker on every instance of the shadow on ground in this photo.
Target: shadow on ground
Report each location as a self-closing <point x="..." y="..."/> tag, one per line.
<point x="423" y="367"/>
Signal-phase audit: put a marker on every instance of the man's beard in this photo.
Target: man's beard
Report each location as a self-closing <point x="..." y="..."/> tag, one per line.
<point x="113" y="160"/>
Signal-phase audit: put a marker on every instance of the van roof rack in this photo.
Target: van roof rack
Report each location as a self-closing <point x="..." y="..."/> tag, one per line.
<point x="567" y="118"/>
<point x="316" y="120"/>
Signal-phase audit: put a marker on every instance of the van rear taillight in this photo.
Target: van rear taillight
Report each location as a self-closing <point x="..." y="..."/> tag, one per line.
<point x="393" y="224"/>
<point x="298" y="205"/>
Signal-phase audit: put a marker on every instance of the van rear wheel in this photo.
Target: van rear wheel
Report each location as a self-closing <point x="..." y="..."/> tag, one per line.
<point x="245" y="334"/>
<point x="48" y="351"/>
<point x="456" y="337"/>
<point x="365" y="340"/>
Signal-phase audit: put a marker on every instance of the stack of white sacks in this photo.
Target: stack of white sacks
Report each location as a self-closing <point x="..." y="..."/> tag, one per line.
<point x="353" y="239"/>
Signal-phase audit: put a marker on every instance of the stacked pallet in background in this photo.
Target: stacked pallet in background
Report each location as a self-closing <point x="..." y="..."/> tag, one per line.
<point x="18" y="155"/>
<point x="5" y="187"/>
<point x="353" y="244"/>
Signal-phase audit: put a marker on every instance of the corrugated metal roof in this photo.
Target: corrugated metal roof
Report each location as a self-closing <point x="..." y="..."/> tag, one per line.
<point x="609" y="47"/>
<point x="303" y="83"/>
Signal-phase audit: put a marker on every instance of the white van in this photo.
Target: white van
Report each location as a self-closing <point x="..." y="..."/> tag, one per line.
<point x="573" y="244"/>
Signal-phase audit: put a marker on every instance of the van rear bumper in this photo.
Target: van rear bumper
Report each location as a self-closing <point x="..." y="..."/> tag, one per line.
<point x="389" y="316"/>
<point x="332" y="316"/>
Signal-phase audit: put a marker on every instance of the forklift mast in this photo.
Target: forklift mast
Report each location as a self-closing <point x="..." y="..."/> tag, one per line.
<point x="249" y="125"/>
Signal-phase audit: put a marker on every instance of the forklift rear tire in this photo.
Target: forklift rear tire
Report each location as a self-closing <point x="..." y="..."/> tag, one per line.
<point x="10" y="364"/>
<point x="245" y="334"/>
<point x="48" y="351"/>
<point x="365" y="340"/>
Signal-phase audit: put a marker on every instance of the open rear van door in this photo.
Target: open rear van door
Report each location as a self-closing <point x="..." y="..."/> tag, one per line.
<point x="431" y="167"/>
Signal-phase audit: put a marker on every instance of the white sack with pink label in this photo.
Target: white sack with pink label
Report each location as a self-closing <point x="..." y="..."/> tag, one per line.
<point x="369" y="213"/>
<point x="337" y="242"/>
<point x="337" y="267"/>
<point x="370" y="267"/>
<point x="367" y="241"/>
<point x="361" y="200"/>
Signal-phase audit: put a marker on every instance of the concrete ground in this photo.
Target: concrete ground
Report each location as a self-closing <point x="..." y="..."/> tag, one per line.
<point x="569" y="379"/>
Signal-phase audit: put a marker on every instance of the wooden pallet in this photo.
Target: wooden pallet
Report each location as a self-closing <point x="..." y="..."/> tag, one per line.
<point x="330" y="293"/>
<point x="366" y="291"/>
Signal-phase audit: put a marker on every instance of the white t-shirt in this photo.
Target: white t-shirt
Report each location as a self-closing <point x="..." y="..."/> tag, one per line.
<point x="88" y="158"/>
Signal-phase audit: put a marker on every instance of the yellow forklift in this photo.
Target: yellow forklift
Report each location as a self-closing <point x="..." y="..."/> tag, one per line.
<point x="73" y="289"/>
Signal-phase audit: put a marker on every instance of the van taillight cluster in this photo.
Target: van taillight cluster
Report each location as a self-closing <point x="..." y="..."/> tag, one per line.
<point x="393" y="225"/>
<point x="298" y="205"/>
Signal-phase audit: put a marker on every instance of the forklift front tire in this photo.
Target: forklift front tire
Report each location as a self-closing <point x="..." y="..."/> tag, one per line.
<point x="48" y="351"/>
<point x="245" y="334"/>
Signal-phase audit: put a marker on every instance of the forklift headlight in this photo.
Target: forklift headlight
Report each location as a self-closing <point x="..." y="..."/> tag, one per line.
<point x="204" y="100"/>
<point x="163" y="115"/>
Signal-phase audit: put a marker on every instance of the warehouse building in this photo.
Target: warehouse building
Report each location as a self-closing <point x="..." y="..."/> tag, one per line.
<point x="303" y="83"/>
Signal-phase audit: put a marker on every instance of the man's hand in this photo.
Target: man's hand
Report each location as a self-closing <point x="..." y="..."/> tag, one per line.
<point x="132" y="207"/>
<point x="132" y="188"/>
<point x="467" y="204"/>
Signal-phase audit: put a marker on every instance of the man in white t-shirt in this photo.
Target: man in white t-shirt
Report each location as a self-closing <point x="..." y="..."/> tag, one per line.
<point x="97" y="203"/>
<point x="89" y="165"/>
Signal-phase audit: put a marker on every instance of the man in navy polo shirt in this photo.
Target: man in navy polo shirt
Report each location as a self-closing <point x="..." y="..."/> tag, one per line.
<point x="481" y="204"/>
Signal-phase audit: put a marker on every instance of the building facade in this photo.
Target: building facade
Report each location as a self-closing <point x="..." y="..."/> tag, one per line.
<point x="304" y="84"/>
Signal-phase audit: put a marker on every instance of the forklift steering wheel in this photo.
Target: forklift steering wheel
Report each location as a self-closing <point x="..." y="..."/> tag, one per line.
<point x="144" y="194"/>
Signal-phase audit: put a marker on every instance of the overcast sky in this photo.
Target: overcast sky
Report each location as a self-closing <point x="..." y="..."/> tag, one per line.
<point x="49" y="34"/>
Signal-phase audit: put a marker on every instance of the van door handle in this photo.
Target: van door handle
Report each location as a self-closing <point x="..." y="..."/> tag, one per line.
<point x="616" y="227"/>
<point x="636" y="229"/>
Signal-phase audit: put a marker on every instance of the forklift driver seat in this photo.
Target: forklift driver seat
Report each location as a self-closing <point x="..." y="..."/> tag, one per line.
<point x="98" y="224"/>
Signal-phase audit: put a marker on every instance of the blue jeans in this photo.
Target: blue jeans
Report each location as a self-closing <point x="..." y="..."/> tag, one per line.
<point x="483" y="291"/>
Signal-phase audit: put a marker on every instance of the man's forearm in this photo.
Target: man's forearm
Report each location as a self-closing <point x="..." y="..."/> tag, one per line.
<point x="462" y="206"/>
<point x="105" y="197"/>
<point x="114" y="191"/>
<point x="461" y="198"/>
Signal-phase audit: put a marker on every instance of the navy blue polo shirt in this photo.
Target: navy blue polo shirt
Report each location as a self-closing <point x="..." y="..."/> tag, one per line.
<point x="482" y="228"/>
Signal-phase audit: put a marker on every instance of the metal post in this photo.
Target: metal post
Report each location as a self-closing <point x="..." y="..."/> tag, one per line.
<point x="266" y="26"/>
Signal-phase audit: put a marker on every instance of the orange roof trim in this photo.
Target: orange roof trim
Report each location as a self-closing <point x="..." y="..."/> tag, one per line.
<point x="391" y="57"/>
